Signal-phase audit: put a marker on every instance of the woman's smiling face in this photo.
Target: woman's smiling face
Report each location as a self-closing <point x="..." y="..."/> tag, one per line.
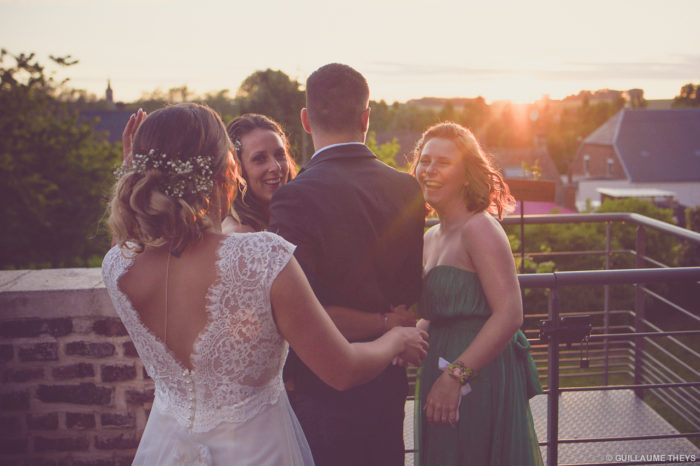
<point x="264" y="161"/>
<point x="441" y="172"/>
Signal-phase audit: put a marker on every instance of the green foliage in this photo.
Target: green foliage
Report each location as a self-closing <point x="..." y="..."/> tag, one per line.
<point x="276" y="95"/>
<point x="590" y="237"/>
<point x="269" y="92"/>
<point x="220" y="101"/>
<point x="660" y="246"/>
<point x="448" y="112"/>
<point x="690" y="252"/>
<point x="55" y="172"/>
<point x="401" y="117"/>
<point x="474" y="113"/>
<point x="384" y="152"/>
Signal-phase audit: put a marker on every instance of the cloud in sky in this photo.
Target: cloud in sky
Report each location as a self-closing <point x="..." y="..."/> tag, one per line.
<point x="574" y="70"/>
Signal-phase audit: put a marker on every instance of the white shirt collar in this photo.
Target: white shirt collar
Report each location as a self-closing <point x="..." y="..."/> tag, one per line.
<point x="335" y="145"/>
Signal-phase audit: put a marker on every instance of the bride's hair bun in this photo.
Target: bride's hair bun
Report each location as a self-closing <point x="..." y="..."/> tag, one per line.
<point x="180" y="175"/>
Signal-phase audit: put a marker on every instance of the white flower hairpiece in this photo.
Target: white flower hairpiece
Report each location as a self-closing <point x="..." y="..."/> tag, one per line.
<point x="193" y="176"/>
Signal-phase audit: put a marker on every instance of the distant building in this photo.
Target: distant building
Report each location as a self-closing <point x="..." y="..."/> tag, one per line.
<point x="109" y="94"/>
<point x="641" y="153"/>
<point x="518" y="164"/>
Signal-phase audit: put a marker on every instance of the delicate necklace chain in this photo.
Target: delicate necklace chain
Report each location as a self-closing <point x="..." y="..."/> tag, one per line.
<point x="167" y="271"/>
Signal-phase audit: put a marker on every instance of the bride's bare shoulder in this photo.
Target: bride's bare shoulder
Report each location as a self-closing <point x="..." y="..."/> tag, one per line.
<point x="230" y="226"/>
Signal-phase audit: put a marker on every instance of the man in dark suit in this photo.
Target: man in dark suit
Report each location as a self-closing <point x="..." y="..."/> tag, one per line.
<point x="358" y="227"/>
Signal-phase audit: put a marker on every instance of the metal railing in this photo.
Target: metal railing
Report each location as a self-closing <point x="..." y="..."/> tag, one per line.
<point x="685" y="406"/>
<point x="621" y="349"/>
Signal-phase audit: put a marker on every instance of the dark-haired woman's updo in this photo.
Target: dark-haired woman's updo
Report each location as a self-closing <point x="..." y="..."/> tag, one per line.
<point x="180" y="175"/>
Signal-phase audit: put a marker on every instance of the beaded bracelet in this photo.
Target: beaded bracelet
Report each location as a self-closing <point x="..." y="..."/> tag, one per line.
<point x="461" y="373"/>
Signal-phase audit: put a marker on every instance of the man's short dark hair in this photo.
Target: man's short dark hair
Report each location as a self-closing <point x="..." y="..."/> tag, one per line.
<point x="336" y="96"/>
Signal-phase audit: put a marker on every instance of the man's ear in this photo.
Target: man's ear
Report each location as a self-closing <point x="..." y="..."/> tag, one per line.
<point x="365" y="120"/>
<point x="305" y="120"/>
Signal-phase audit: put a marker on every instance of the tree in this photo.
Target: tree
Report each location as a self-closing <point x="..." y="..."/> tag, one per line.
<point x="276" y="95"/>
<point x="55" y="172"/>
<point x="381" y="117"/>
<point x="384" y="152"/>
<point x="222" y="104"/>
<point x="448" y="112"/>
<point x="689" y="96"/>
<point x="637" y="99"/>
<point x="475" y="114"/>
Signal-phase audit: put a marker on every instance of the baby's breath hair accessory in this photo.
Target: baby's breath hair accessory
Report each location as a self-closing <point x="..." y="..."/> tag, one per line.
<point x="237" y="145"/>
<point x="193" y="176"/>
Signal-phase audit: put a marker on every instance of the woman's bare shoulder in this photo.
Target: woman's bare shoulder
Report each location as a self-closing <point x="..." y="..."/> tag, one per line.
<point x="482" y="229"/>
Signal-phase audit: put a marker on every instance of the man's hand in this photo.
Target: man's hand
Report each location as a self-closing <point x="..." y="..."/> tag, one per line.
<point x="400" y="316"/>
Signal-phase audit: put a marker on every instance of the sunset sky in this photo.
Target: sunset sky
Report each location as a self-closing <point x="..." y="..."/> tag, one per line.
<point x="406" y="49"/>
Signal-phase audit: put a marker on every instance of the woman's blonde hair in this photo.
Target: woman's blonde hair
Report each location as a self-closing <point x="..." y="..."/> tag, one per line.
<point x="143" y="212"/>
<point x="485" y="188"/>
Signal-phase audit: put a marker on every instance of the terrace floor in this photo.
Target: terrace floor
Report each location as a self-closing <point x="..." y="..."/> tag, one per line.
<point x="597" y="414"/>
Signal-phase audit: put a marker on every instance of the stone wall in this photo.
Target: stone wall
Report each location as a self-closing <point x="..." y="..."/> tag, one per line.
<point x="73" y="390"/>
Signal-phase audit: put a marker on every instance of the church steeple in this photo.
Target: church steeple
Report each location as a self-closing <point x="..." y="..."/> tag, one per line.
<point x="109" y="95"/>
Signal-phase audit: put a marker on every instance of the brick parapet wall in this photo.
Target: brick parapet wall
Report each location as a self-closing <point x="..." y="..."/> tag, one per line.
<point x="73" y="390"/>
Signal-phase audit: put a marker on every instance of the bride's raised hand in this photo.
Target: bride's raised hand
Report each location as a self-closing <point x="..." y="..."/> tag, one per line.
<point x="132" y="125"/>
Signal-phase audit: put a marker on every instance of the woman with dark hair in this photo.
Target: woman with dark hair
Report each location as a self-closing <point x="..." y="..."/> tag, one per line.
<point x="209" y="314"/>
<point x="472" y="310"/>
<point x="262" y="152"/>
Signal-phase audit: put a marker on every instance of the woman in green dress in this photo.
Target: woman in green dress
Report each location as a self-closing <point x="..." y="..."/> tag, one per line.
<point x="472" y="398"/>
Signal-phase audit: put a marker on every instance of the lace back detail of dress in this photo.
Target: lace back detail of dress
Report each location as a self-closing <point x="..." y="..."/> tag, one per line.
<point x="239" y="355"/>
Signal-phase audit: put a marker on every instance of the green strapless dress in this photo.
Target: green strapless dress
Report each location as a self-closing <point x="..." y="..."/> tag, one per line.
<point x="495" y="424"/>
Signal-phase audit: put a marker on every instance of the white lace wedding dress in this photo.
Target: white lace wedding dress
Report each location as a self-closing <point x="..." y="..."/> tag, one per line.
<point x="231" y="409"/>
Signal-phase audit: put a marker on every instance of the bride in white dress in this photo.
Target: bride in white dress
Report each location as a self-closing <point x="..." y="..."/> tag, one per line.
<point x="210" y="315"/>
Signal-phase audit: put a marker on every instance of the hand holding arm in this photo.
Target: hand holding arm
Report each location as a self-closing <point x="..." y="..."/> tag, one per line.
<point x="316" y="340"/>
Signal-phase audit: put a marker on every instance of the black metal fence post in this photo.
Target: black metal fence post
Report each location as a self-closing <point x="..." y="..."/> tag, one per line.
<point x="606" y="305"/>
<point x="640" y="246"/>
<point x="553" y="381"/>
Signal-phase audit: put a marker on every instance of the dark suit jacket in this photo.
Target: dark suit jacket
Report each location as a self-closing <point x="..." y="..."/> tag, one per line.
<point x="358" y="227"/>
